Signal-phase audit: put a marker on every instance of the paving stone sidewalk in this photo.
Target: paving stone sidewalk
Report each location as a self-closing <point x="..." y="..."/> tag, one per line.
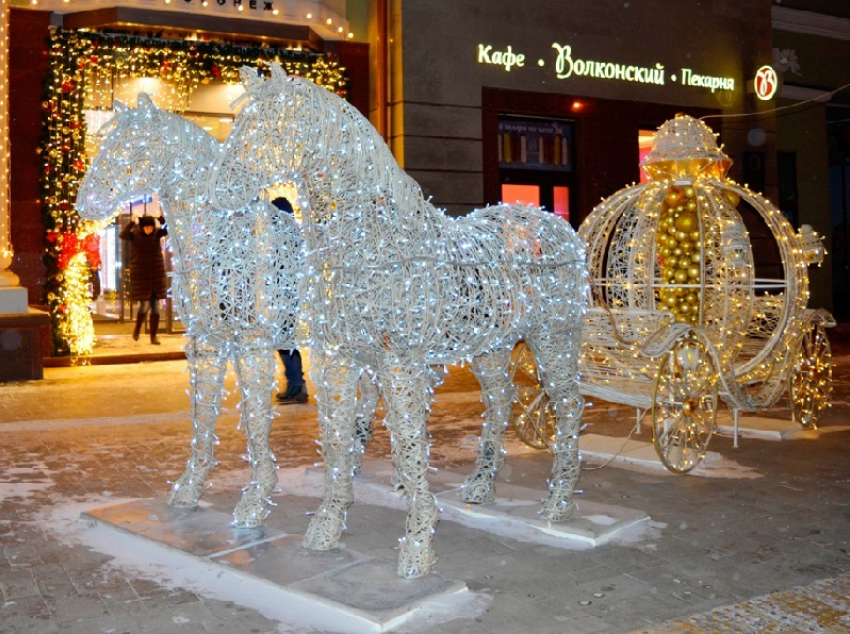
<point x="747" y="539"/>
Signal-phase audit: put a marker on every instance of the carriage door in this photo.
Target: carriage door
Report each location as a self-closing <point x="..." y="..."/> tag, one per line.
<point x="536" y="162"/>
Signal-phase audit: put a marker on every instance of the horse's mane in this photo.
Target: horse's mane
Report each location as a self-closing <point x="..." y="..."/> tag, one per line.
<point x="342" y="121"/>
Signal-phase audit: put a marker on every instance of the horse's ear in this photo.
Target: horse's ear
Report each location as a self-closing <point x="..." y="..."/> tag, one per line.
<point x="249" y="77"/>
<point x="119" y="107"/>
<point x="144" y="102"/>
<point x="278" y="73"/>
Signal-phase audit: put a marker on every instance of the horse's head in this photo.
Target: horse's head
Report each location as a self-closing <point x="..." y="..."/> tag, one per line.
<point x="266" y="144"/>
<point x="137" y="157"/>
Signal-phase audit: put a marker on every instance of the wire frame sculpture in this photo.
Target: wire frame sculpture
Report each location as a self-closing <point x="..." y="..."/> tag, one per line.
<point x="679" y="316"/>
<point x="234" y="284"/>
<point x="395" y="285"/>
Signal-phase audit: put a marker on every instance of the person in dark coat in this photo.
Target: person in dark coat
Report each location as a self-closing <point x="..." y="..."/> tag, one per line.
<point x="296" y="386"/>
<point x="147" y="270"/>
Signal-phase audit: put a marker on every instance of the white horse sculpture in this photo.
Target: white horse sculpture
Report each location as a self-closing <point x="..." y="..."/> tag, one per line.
<point x="394" y="284"/>
<point x="234" y="284"/>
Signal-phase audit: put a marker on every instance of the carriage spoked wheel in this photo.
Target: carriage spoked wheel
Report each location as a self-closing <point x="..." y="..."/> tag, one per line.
<point x="684" y="409"/>
<point x="810" y="382"/>
<point x="533" y="412"/>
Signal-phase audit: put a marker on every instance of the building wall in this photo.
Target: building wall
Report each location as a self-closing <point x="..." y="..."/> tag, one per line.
<point x="27" y="71"/>
<point x="437" y="114"/>
<point x="819" y="66"/>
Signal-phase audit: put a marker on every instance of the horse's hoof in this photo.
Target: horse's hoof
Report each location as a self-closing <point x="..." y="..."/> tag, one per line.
<point x="184" y="496"/>
<point x="478" y="492"/>
<point x="555" y="510"/>
<point x="323" y="533"/>
<point x="252" y="522"/>
<point x="248" y="517"/>
<point x="415" y="559"/>
<point x="251" y="511"/>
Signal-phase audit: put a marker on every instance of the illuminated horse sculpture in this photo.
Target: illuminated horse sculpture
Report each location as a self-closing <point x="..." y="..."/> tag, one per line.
<point x="394" y="284"/>
<point x="234" y="284"/>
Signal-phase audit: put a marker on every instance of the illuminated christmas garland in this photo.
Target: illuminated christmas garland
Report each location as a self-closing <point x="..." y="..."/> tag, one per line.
<point x="79" y="63"/>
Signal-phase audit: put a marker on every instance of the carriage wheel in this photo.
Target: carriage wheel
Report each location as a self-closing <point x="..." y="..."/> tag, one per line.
<point x="810" y="383"/>
<point x="684" y="408"/>
<point x="534" y="414"/>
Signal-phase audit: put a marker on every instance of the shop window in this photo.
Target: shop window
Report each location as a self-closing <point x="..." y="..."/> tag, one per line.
<point x="536" y="162"/>
<point x="561" y="202"/>
<point x="521" y="194"/>
<point x="208" y="107"/>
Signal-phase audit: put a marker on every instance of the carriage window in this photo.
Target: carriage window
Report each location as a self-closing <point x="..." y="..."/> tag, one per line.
<point x="645" y="139"/>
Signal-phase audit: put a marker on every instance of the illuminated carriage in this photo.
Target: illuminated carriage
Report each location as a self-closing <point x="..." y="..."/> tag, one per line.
<point x="680" y="316"/>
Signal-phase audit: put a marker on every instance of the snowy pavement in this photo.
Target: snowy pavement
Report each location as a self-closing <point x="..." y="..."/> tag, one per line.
<point x="772" y="515"/>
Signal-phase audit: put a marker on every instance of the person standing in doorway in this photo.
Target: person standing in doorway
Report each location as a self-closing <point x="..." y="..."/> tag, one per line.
<point x="296" y="386"/>
<point x="147" y="270"/>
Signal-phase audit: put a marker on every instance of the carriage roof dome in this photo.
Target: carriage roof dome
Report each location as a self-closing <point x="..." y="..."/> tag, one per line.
<point x="684" y="138"/>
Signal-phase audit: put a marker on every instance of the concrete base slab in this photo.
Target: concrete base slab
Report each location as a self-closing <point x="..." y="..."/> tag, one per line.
<point x="605" y="448"/>
<point x="514" y="513"/>
<point x="352" y="585"/>
<point x="757" y="427"/>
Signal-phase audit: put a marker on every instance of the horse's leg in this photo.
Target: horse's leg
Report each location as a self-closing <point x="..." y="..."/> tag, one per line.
<point x="493" y="375"/>
<point x="557" y="355"/>
<point x="335" y="378"/>
<point x="407" y="393"/>
<point x="207" y="369"/>
<point x="364" y="416"/>
<point x="255" y="371"/>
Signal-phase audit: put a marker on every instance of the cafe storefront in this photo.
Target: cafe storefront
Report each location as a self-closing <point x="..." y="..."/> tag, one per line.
<point x="555" y="103"/>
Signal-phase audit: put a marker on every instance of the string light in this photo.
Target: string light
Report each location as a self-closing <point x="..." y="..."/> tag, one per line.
<point x="395" y="285"/>
<point x="6" y="252"/>
<point x="82" y="72"/>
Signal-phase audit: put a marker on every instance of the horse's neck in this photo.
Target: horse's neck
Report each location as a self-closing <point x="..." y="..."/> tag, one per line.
<point x="190" y="151"/>
<point x="380" y="200"/>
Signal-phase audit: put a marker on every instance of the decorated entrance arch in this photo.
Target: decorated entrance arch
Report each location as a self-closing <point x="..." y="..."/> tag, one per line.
<point x="83" y="67"/>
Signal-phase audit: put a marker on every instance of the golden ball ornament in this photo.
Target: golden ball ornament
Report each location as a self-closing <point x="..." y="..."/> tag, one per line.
<point x="674" y="195"/>
<point x="694" y="272"/>
<point x="691" y="205"/>
<point x="687" y="222"/>
<point x="681" y="276"/>
<point x="689" y="191"/>
<point x="732" y="197"/>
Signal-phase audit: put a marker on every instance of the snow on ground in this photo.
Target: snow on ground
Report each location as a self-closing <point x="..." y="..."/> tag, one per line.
<point x="173" y="569"/>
